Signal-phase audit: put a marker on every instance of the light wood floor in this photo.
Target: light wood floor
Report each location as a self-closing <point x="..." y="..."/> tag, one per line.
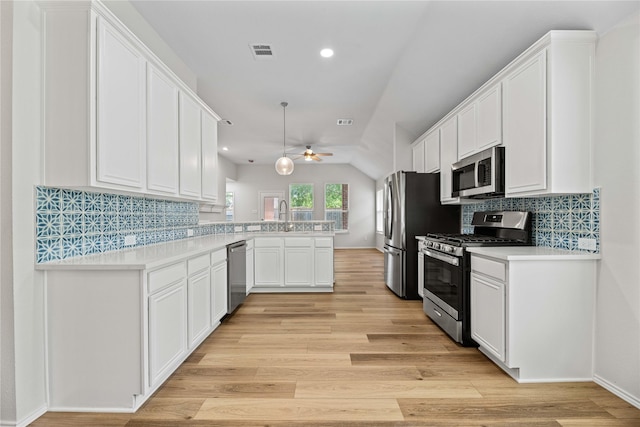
<point x="357" y="357"/>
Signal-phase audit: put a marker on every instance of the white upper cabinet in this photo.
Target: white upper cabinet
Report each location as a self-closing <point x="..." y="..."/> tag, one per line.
<point x="547" y="116"/>
<point x="432" y="152"/>
<point x="539" y="108"/>
<point x="209" y="157"/>
<point x="448" y="156"/>
<point x="480" y="123"/>
<point x="162" y="133"/>
<point x="121" y="110"/>
<point x="418" y="156"/>
<point x="525" y="117"/>
<point x="467" y="131"/>
<point x="489" y="118"/>
<point x="190" y="147"/>
<point x="112" y="114"/>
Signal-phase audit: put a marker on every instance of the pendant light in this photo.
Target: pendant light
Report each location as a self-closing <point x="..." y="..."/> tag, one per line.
<point x="284" y="165"/>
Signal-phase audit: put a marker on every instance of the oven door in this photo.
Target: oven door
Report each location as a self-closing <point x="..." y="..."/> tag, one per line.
<point x="443" y="281"/>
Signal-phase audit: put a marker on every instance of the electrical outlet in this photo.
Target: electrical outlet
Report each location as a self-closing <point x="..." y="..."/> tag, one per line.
<point x="189" y="232"/>
<point x="587" y="244"/>
<point x="317" y="228"/>
<point x="237" y="229"/>
<point x="130" y="240"/>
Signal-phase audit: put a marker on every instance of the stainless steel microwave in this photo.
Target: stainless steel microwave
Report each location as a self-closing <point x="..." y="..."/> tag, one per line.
<point x="480" y="176"/>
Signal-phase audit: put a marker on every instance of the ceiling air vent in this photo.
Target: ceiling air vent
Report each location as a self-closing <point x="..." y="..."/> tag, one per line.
<point x="261" y="51"/>
<point x="345" y="122"/>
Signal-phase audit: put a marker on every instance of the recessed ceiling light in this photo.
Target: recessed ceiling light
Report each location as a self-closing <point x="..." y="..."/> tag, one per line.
<point x="225" y="148"/>
<point x="326" y="53"/>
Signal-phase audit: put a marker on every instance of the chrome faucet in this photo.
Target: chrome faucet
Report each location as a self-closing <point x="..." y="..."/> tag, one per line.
<point x="285" y="212"/>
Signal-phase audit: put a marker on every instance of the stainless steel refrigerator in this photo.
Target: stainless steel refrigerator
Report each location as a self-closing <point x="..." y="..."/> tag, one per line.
<point x="411" y="208"/>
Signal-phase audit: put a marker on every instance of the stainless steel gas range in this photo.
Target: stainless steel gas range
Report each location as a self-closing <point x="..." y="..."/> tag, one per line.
<point x="447" y="267"/>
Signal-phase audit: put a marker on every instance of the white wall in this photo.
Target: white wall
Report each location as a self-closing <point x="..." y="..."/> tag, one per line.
<point x="362" y="196"/>
<point x="616" y="162"/>
<point x="7" y="346"/>
<point x="25" y="340"/>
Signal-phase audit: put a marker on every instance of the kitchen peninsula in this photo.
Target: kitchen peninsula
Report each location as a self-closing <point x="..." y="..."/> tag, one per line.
<point x="119" y="323"/>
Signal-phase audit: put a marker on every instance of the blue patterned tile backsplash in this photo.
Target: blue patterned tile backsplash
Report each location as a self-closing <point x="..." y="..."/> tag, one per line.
<point x="558" y="221"/>
<point x="72" y="223"/>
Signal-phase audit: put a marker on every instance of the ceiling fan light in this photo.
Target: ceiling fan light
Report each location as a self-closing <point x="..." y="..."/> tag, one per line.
<point x="284" y="166"/>
<point x="308" y="157"/>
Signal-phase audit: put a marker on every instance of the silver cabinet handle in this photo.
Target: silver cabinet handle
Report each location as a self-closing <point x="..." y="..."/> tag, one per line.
<point x="437" y="312"/>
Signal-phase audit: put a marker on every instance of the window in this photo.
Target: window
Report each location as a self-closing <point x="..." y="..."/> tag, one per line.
<point x="301" y="202"/>
<point x="336" y="205"/>
<point x="228" y="206"/>
<point x="379" y="209"/>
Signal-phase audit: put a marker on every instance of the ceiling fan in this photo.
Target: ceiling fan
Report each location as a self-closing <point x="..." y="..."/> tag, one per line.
<point x="309" y="155"/>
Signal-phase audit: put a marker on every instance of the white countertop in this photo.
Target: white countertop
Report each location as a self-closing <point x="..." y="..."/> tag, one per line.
<point x="153" y="256"/>
<point x="533" y="253"/>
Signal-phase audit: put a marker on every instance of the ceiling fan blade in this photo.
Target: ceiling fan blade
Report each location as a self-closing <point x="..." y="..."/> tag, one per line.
<point x="316" y="158"/>
<point x="323" y="154"/>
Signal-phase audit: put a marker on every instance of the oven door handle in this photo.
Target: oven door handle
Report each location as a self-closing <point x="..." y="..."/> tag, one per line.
<point x="442" y="257"/>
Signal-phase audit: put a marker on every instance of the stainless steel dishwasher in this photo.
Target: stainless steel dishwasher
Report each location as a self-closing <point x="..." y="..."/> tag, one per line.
<point x="237" y="275"/>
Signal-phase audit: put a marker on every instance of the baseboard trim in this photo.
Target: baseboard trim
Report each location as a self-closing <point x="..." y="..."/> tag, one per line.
<point x="25" y="421"/>
<point x="632" y="400"/>
<point x="354" y="247"/>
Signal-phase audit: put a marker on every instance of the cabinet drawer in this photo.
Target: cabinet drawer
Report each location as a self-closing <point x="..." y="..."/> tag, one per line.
<point x="489" y="267"/>
<point x="298" y="242"/>
<point x="218" y="256"/>
<point x="163" y="277"/>
<point x="269" y="242"/>
<point x="196" y="264"/>
<point x="324" y="242"/>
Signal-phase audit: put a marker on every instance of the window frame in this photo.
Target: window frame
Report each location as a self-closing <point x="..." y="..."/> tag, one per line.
<point x="380" y="211"/>
<point x="343" y="211"/>
<point x="293" y="211"/>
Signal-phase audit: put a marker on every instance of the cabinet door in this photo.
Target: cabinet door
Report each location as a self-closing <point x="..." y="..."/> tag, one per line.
<point x="448" y="156"/>
<point x="525" y="137"/>
<point x="249" y="270"/>
<point x="298" y="265"/>
<point x="219" y="291"/>
<point x="167" y="330"/>
<point x="432" y="152"/>
<point x="418" y="157"/>
<point x="489" y="129"/>
<point x="323" y="266"/>
<point x="199" y="307"/>
<point x="190" y="148"/>
<point x="162" y="133"/>
<point x="120" y="98"/>
<point x="488" y="320"/>
<point x="467" y="131"/>
<point x="421" y="274"/>
<point x="209" y="157"/>
<point x="269" y="266"/>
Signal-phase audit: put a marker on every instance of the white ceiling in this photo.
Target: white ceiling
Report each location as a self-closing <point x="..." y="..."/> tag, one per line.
<point x="404" y="63"/>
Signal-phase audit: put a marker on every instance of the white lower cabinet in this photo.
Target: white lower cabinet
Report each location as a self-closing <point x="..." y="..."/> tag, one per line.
<point x="167" y="331"/>
<point x="489" y="323"/>
<point x="298" y="261"/>
<point x="323" y="262"/>
<point x="199" y="295"/>
<point x="533" y="315"/>
<point x="269" y="262"/>
<point x="219" y="285"/>
<point x="250" y="266"/>
<point x="285" y="264"/>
